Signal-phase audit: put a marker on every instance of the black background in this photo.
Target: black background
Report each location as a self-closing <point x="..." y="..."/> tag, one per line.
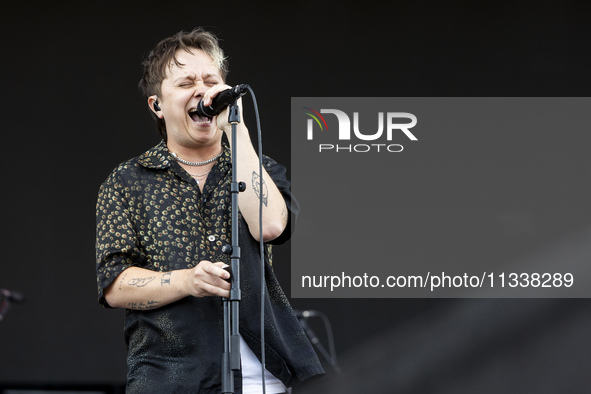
<point x="72" y="111"/>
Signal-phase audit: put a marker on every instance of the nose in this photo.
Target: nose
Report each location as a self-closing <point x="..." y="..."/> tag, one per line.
<point x="200" y="89"/>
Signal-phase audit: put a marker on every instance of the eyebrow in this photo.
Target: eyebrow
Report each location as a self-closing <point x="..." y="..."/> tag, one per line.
<point x="192" y="76"/>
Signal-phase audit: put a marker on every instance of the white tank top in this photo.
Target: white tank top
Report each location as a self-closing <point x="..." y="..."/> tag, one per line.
<point x="252" y="382"/>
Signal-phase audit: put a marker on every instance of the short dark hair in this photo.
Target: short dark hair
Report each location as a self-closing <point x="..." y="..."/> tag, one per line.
<point x="164" y="55"/>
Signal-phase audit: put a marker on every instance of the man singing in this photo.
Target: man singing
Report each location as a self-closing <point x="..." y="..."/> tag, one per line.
<point x="162" y="221"/>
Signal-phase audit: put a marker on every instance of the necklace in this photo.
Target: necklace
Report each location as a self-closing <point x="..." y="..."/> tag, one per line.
<point x="195" y="164"/>
<point x="199" y="177"/>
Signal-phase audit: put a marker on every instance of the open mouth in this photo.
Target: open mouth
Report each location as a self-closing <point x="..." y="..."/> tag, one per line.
<point x="203" y="120"/>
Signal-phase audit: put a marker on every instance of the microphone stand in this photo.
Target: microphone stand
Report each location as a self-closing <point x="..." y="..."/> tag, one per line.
<point x="231" y="355"/>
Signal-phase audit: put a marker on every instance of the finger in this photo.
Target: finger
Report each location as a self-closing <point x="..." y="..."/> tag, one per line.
<point x="212" y="92"/>
<point x="220" y="269"/>
<point x="217" y="282"/>
<point x="212" y="274"/>
<point x="211" y="290"/>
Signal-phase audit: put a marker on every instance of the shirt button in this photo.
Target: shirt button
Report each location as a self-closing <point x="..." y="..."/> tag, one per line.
<point x="211" y="238"/>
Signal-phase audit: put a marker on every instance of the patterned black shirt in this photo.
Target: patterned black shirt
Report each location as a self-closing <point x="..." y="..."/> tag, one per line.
<point x="151" y="214"/>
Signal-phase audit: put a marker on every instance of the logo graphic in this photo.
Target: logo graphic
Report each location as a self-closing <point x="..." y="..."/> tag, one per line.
<point x="389" y="123"/>
<point x="315" y="117"/>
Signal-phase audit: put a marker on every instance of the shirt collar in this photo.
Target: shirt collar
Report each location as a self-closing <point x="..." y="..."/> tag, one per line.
<point x="157" y="158"/>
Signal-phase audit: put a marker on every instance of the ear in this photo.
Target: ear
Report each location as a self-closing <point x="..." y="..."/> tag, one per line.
<point x="155" y="106"/>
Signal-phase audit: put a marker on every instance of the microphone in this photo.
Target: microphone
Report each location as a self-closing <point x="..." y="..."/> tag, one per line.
<point x="12" y="296"/>
<point x="221" y="101"/>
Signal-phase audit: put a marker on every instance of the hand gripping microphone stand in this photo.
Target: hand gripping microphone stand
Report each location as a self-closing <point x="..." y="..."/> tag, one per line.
<point x="231" y="355"/>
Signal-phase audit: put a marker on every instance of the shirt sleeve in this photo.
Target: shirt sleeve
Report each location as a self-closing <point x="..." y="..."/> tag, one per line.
<point x="278" y="174"/>
<point x="116" y="239"/>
